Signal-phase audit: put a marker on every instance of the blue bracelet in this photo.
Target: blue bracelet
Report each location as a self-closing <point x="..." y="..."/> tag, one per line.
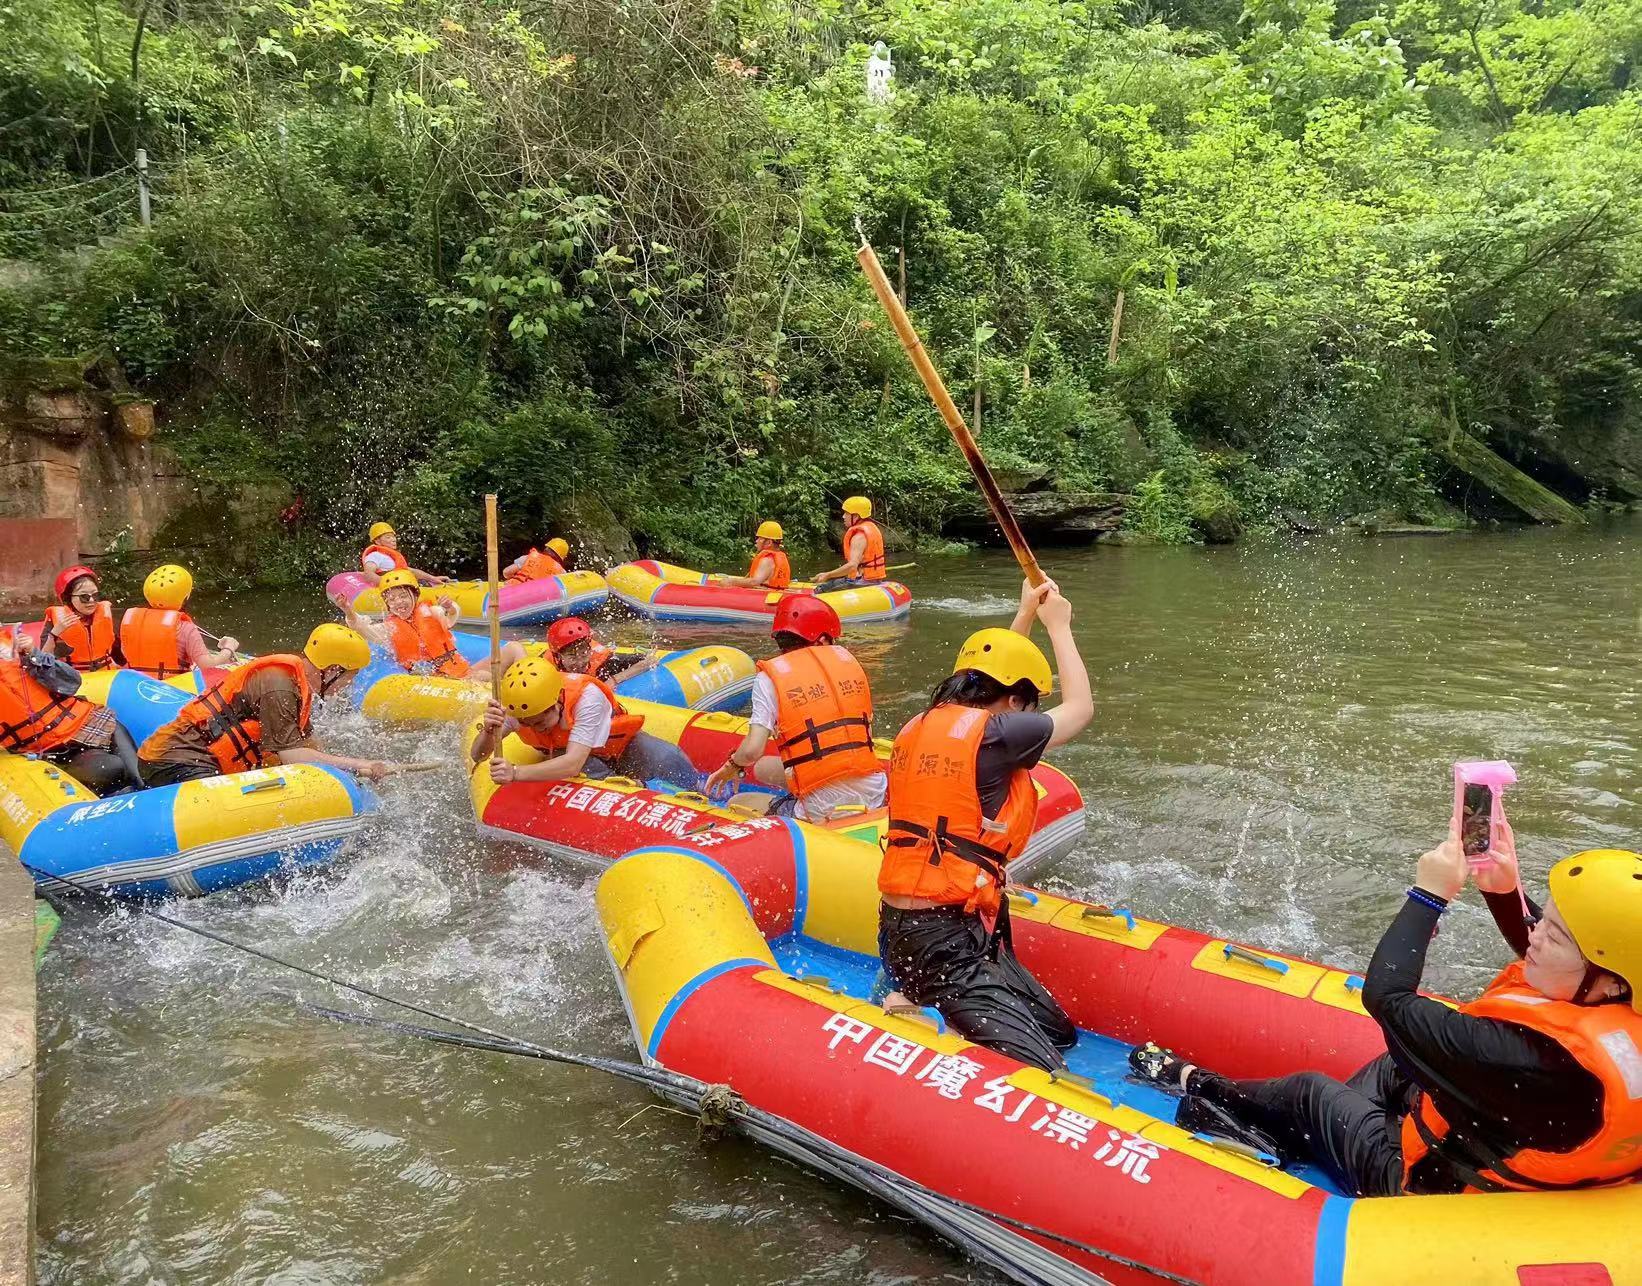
<point x="1427" y="899"/>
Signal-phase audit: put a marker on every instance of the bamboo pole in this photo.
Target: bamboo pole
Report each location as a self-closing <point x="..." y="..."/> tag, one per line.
<point x="948" y="409"/>
<point x="494" y="600"/>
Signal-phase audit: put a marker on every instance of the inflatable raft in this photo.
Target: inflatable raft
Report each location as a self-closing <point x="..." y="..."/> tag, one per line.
<point x="752" y="964"/>
<point x="664" y="592"/>
<point x="597" y="821"/>
<point x="530" y="603"/>
<point x="193" y="838"/>
<point x="698" y="678"/>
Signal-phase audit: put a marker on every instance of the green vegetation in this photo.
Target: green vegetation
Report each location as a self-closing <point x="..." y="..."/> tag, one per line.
<point x="406" y="251"/>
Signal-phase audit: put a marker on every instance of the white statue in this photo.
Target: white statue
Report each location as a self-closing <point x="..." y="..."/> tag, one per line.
<point x="880" y="72"/>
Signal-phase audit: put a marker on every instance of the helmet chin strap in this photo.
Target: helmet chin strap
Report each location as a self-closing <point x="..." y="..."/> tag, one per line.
<point x="327" y="679"/>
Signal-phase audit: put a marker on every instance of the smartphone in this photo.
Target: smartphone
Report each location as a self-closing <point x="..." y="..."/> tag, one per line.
<point x="1476" y="819"/>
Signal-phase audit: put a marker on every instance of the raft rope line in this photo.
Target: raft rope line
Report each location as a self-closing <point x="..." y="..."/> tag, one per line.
<point x="715" y="1106"/>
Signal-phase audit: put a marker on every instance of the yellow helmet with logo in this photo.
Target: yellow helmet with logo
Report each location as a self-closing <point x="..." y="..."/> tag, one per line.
<point x="381" y="529"/>
<point x="860" y="506"/>
<point x="770" y="531"/>
<point x="531" y="687"/>
<point x="1007" y="657"/>
<point x="399" y="578"/>
<point x="335" y="644"/>
<point x="559" y="547"/>
<point x="168" y="587"/>
<point x="1599" y="893"/>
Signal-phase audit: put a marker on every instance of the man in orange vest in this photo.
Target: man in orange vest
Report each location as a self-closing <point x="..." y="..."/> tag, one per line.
<point x="962" y="804"/>
<point x="581" y="725"/>
<point x="538" y="564"/>
<point x="769" y="568"/>
<point x="419" y="634"/>
<point x="1536" y="1085"/>
<point x="382" y="556"/>
<point x="41" y="715"/>
<point x="260" y="714"/>
<point x="79" y="628"/>
<point x="161" y="639"/>
<point x="815" y="701"/>
<point x="864" y="560"/>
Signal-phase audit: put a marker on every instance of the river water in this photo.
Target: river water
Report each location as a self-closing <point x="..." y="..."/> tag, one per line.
<point x="1272" y="748"/>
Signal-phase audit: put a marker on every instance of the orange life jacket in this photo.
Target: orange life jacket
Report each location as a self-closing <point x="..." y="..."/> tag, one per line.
<point x="90" y="641"/>
<point x="940" y="846"/>
<point x="873" y="562"/>
<point x="148" y="638"/>
<point x="229" y="721"/>
<point x="623" y="726"/>
<point x="8" y="641"/>
<point x="823" y="716"/>
<point x="536" y="565"/>
<point x="598" y="659"/>
<point x="781" y="577"/>
<point x="425" y="640"/>
<point x="33" y="719"/>
<point x="1606" y="1040"/>
<point x="394" y="555"/>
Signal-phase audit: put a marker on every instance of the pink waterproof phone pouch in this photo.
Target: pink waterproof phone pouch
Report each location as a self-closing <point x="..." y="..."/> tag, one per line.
<point x="1495" y="774"/>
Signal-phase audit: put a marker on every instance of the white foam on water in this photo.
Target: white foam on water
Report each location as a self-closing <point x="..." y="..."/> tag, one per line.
<point x="984" y="605"/>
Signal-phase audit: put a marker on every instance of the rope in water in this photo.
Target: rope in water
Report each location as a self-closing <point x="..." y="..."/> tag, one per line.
<point x="715" y="1105"/>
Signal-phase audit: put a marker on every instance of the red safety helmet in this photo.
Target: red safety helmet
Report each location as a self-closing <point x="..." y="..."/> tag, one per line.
<point x="806" y="616"/>
<point x="567" y="633"/>
<point x="67" y="578"/>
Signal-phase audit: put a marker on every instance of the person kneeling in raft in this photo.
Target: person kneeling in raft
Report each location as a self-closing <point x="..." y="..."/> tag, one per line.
<point x="864" y="561"/>
<point x="769" y="568"/>
<point x="538" y="564"/>
<point x="815" y="700"/>
<point x="161" y="639"/>
<point x="260" y="715"/>
<point x="577" y="650"/>
<point x="962" y="803"/>
<point x="418" y="633"/>
<point x="41" y="715"/>
<point x="1536" y="1085"/>
<point x="382" y="556"/>
<point x="579" y="722"/>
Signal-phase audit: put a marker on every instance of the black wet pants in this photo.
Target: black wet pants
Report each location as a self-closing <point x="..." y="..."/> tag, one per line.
<point x="103" y="771"/>
<point x="1351" y="1130"/>
<point x="941" y="957"/>
<point x="164" y="772"/>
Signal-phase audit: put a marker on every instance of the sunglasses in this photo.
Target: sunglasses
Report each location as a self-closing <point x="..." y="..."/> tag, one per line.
<point x="84" y="596"/>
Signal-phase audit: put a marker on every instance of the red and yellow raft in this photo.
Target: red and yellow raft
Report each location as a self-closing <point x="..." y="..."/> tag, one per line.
<point x="750" y="963"/>
<point x="598" y="821"/>
<point x="665" y="592"/>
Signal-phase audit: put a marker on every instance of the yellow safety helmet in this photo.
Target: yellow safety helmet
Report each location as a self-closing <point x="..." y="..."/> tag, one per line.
<point x="381" y="529"/>
<point x="770" y="531"/>
<point x="168" y="587"/>
<point x="1007" y="657"/>
<point x="531" y="687"/>
<point x="559" y="547"/>
<point x="860" y="506"/>
<point x="399" y="578"/>
<point x="1599" y="893"/>
<point x="335" y="644"/>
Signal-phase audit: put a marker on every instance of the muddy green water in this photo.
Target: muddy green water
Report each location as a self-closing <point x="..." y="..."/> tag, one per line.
<point x="1275" y="729"/>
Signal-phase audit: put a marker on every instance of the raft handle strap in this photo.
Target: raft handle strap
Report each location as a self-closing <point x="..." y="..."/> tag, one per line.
<point x="1234" y="952"/>
<point x="272" y="783"/>
<point x="1237" y="1148"/>
<point x="1104" y="912"/>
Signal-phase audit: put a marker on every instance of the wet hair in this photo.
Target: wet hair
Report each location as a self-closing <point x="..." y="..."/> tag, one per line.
<point x="787" y="641"/>
<point x="972" y="688"/>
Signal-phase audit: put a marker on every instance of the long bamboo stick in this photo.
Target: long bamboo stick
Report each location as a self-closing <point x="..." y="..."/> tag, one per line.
<point x="494" y="600"/>
<point x="948" y="409"/>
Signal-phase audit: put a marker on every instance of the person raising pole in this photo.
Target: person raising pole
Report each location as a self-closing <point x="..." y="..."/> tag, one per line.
<point x="382" y="556"/>
<point x="161" y="639"/>
<point x="815" y="701"/>
<point x="769" y="568"/>
<point x="417" y="633"/>
<point x="864" y="561"/>
<point x="962" y="805"/>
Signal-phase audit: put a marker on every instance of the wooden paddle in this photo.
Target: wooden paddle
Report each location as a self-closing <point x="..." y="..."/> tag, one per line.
<point x="948" y="409"/>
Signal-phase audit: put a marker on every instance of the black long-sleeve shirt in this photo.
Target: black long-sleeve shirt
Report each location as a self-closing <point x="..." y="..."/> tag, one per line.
<point x="1505" y="1084"/>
